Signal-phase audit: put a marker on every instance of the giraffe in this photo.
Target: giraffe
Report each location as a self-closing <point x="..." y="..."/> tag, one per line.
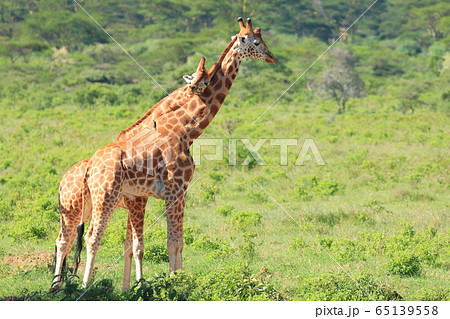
<point x="76" y="206"/>
<point x="151" y="157"/>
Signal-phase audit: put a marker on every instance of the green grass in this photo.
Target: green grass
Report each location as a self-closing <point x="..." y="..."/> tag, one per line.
<point x="379" y="207"/>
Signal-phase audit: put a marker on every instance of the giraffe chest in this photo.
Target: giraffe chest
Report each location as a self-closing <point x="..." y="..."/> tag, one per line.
<point x="137" y="183"/>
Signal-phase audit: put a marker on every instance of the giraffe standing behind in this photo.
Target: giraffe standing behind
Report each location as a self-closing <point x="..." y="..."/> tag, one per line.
<point x="76" y="205"/>
<point x="151" y="157"/>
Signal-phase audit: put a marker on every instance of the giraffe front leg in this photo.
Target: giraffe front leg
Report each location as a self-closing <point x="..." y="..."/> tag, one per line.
<point x="100" y="217"/>
<point x="135" y="241"/>
<point x="175" y="213"/>
<point x="137" y="226"/>
<point x="128" y="256"/>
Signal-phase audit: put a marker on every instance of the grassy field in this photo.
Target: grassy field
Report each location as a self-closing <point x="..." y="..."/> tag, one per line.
<point x="370" y="224"/>
<point x="379" y="207"/>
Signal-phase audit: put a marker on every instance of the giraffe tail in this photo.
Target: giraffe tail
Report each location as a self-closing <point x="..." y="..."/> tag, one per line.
<point x="80" y="227"/>
<point x="80" y="232"/>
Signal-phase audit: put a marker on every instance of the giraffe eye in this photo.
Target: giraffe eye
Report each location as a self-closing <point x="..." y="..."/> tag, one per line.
<point x="256" y="43"/>
<point x="242" y="39"/>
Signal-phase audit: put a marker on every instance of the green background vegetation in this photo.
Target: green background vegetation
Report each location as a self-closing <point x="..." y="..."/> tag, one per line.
<point x="379" y="206"/>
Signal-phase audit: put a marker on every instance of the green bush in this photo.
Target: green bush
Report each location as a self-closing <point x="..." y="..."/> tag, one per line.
<point x="225" y="210"/>
<point x="245" y="219"/>
<point x="435" y="294"/>
<point x="156" y="253"/>
<point x="96" y="94"/>
<point x="311" y="185"/>
<point x="405" y="264"/>
<point x="217" y="246"/>
<point x="298" y="243"/>
<point x="209" y="192"/>
<point x="163" y="287"/>
<point x="234" y="283"/>
<point x="340" y="286"/>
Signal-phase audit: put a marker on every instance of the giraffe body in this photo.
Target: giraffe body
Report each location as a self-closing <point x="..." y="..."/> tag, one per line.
<point x="150" y="158"/>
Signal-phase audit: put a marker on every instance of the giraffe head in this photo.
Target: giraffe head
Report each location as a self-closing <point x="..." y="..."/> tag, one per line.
<point x="251" y="44"/>
<point x="199" y="80"/>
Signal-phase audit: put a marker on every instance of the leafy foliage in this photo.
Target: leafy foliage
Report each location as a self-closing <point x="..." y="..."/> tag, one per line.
<point x="338" y="286"/>
<point x="66" y="89"/>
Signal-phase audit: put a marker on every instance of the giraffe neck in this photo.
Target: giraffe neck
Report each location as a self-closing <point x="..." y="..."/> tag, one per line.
<point x="190" y="114"/>
<point x="209" y="103"/>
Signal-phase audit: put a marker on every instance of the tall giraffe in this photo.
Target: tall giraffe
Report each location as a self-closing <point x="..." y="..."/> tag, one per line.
<point x="151" y="157"/>
<point x="76" y="206"/>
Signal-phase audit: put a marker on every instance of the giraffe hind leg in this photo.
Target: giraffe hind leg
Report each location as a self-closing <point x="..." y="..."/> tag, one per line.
<point x="64" y="243"/>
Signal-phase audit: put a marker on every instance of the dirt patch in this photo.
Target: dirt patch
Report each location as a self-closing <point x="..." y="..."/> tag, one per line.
<point x="28" y="261"/>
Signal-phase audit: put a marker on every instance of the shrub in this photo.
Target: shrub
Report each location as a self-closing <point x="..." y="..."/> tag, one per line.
<point x="104" y="53"/>
<point x="405" y="264"/>
<point x="225" y="210"/>
<point x="329" y="218"/>
<point x="156" y="253"/>
<point x="245" y="219"/>
<point x="298" y="243"/>
<point x="209" y="192"/>
<point x="437" y="294"/>
<point x="163" y="287"/>
<point x="248" y="248"/>
<point x="217" y="176"/>
<point x="95" y="94"/>
<point x="339" y="286"/>
<point x="229" y="283"/>
<point x="312" y="185"/>
<point x="326" y="188"/>
<point x="217" y="247"/>
<point x="234" y="283"/>
<point x="303" y="194"/>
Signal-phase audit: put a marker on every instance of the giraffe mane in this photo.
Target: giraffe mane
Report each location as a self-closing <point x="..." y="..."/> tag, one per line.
<point x="124" y="132"/>
<point x="215" y="67"/>
<point x="211" y="72"/>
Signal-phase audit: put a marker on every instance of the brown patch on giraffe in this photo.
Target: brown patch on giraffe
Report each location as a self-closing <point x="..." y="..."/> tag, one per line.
<point x="228" y="83"/>
<point x="218" y="86"/>
<point x="192" y="105"/>
<point x="185" y="119"/>
<point x="194" y="134"/>
<point x="207" y="92"/>
<point x="220" y="97"/>
<point x="214" y="108"/>
<point x="203" y="124"/>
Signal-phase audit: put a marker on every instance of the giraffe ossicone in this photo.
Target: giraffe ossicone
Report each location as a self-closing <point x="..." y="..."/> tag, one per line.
<point x="150" y="158"/>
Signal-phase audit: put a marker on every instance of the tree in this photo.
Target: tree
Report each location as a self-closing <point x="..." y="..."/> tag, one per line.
<point x="340" y="80"/>
<point x="15" y="50"/>
<point x="62" y="28"/>
<point x="429" y="18"/>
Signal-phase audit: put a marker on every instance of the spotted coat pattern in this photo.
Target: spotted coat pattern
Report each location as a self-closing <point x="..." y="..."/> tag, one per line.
<point x="150" y="158"/>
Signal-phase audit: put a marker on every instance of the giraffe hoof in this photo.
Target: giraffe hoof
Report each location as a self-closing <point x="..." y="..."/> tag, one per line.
<point x="54" y="289"/>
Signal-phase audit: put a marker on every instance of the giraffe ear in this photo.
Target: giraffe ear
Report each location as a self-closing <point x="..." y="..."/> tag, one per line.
<point x="188" y="78"/>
